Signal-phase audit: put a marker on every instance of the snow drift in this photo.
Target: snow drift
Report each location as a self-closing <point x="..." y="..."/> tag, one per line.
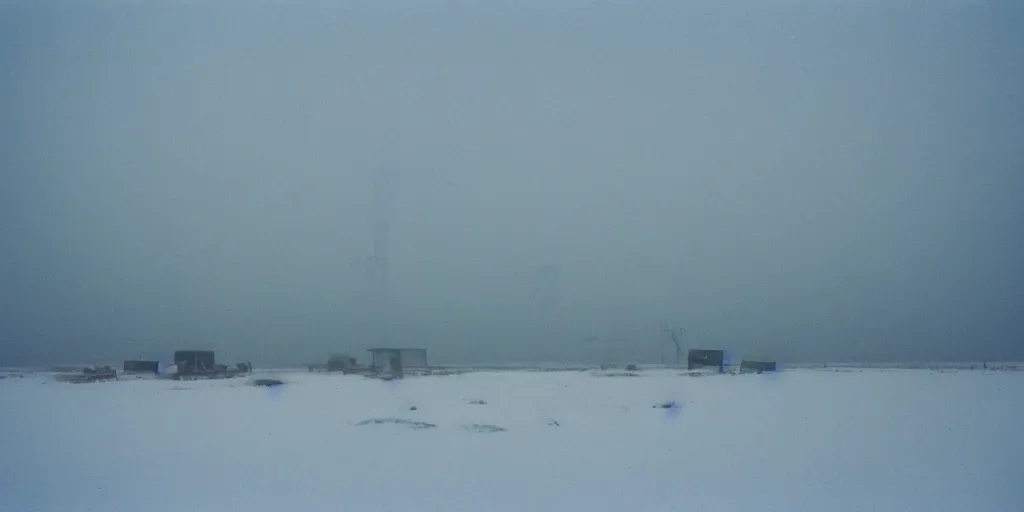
<point x="798" y="440"/>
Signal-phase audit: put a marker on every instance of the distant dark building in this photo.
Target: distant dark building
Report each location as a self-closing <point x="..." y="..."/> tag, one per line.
<point x="194" y="361"/>
<point x="757" y="366"/>
<point x="340" y="363"/>
<point x="705" y="359"/>
<point x="141" y="367"/>
<point x="386" y="359"/>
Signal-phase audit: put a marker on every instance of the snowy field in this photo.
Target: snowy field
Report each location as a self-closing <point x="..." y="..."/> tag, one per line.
<point x="856" y="439"/>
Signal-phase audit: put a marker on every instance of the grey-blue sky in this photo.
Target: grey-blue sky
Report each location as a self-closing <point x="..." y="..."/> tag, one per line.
<point x="802" y="180"/>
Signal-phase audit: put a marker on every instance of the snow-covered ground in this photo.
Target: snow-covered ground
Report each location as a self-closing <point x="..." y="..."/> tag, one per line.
<point x="859" y="439"/>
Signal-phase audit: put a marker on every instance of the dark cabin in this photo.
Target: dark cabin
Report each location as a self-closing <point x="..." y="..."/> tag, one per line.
<point x="340" y="363"/>
<point x="194" y="360"/>
<point x="757" y="366"/>
<point x="141" y="367"/>
<point x="705" y="359"/>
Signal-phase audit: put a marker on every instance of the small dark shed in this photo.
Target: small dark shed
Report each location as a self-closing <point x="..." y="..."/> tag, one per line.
<point x="757" y="366"/>
<point x="705" y="358"/>
<point x="141" y="367"/>
<point x="340" y="363"/>
<point x="194" y="360"/>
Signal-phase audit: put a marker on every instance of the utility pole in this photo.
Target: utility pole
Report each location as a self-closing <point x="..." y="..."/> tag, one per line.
<point x="378" y="261"/>
<point x="674" y="335"/>
<point x="661" y="342"/>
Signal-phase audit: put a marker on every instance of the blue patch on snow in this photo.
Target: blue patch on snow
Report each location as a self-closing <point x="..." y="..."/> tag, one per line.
<point x="672" y="409"/>
<point x="274" y="389"/>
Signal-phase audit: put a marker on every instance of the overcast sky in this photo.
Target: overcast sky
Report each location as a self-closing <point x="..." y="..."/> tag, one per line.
<point x="794" y="180"/>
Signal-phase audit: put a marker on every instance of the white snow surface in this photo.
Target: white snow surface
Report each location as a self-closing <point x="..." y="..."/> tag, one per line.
<point x="859" y="439"/>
